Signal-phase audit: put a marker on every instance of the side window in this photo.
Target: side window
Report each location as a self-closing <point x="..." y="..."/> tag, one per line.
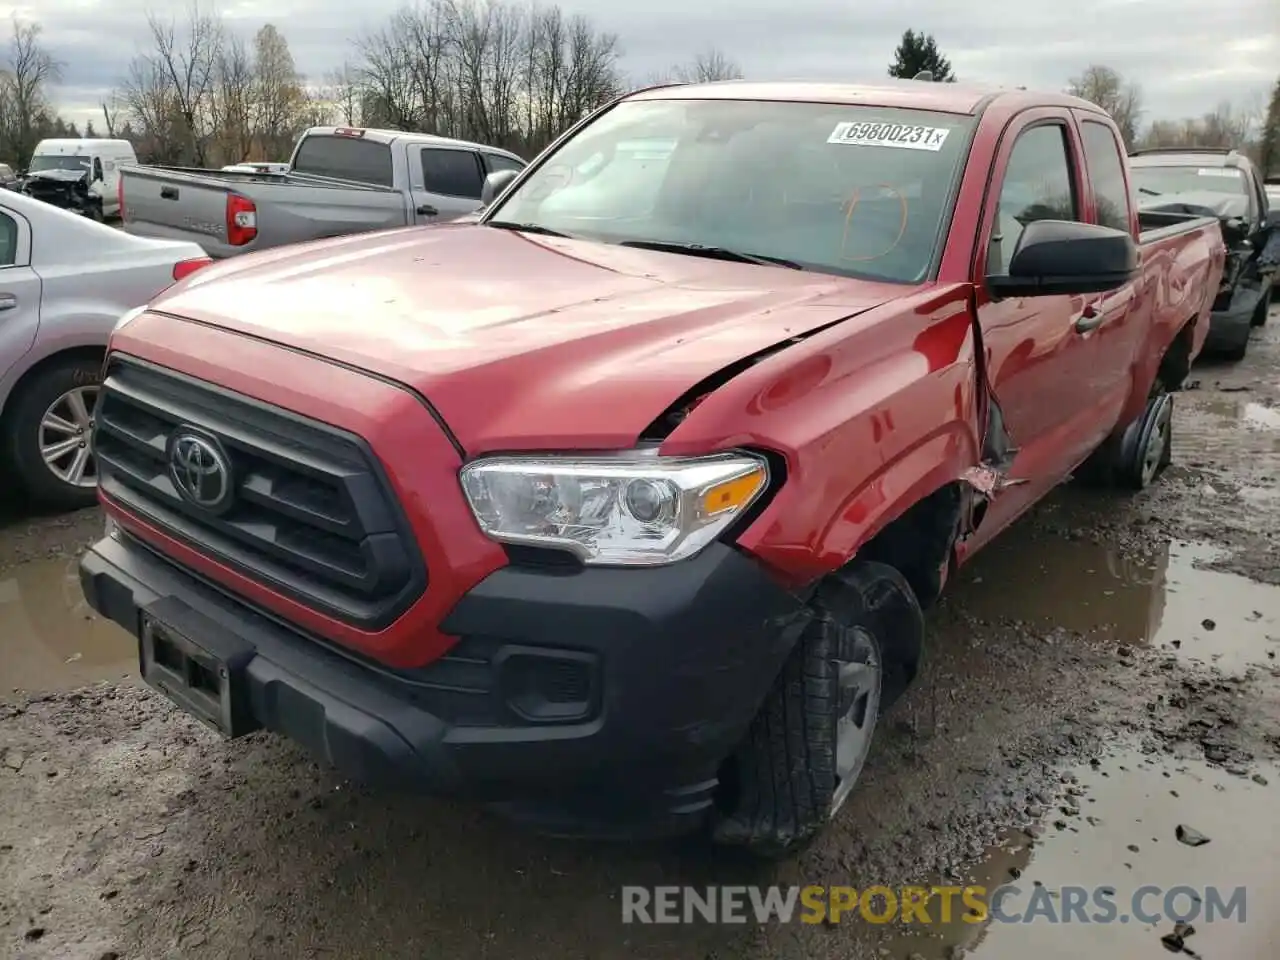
<point x="496" y="162"/>
<point x="452" y="173"/>
<point x="1037" y="186"/>
<point x="1106" y="172"/>
<point x="97" y="169"/>
<point x="8" y="240"/>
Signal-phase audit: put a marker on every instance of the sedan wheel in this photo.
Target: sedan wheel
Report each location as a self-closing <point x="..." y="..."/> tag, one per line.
<point x="66" y="433"/>
<point x="48" y="432"/>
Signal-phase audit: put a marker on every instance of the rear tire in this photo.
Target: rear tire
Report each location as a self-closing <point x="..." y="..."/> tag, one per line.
<point x="52" y="461"/>
<point x="810" y="740"/>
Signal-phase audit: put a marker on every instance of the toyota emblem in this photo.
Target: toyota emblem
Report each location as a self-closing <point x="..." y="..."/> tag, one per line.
<point x="200" y="471"/>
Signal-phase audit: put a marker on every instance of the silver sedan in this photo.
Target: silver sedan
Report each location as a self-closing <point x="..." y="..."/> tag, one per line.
<point x="64" y="282"/>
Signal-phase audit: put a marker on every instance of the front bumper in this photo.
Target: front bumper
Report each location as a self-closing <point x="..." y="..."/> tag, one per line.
<point x="1230" y="326"/>
<point x="593" y="701"/>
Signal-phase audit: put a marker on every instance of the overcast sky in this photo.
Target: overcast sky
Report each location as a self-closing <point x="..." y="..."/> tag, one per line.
<point x="1187" y="56"/>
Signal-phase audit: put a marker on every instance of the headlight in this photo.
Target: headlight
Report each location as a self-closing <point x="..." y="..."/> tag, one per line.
<point x="630" y="509"/>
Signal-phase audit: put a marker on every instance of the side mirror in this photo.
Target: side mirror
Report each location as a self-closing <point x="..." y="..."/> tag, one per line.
<point x="494" y="184"/>
<point x="1062" y="257"/>
<point x="1273" y="219"/>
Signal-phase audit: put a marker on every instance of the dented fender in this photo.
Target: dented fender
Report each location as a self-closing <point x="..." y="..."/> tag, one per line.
<point x="869" y="416"/>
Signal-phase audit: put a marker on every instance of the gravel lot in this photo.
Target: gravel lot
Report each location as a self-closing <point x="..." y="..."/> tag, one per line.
<point x="1103" y="673"/>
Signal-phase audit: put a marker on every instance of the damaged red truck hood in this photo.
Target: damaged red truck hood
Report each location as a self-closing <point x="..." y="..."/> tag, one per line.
<point x="519" y="341"/>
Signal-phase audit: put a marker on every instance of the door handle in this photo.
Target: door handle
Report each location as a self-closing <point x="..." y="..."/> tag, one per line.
<point x="168" y="193"/>
<point x="427" y="210"/>
<point x="8" y="301"/>
<point x="1090" y="319"/>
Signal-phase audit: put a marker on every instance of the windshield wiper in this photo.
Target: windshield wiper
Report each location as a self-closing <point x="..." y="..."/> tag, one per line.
<point x="1149" y="192"/>
<point x="525" y="228"/>
<point x="715" y="253"/>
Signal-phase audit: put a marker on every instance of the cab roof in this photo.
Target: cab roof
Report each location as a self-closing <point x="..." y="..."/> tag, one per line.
<point x="959" y="98"/>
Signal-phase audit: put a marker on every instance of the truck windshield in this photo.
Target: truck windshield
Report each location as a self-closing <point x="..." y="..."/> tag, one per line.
<point x="851" y="190"/>
<point x="58" y="161"/>
<point x="344" y="158"/>
<point x="1154" y="181"/>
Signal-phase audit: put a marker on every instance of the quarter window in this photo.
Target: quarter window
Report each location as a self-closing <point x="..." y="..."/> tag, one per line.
<point x="8" y="240"/>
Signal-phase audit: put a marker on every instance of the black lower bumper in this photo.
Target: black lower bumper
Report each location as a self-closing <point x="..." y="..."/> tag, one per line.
<point x="1229" y="325"/>
<point x="588" y="702"/>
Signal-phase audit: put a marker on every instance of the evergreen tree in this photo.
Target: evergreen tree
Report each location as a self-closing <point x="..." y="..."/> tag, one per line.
<point x="1270" y="148"/>
<point x="919" y="51"/>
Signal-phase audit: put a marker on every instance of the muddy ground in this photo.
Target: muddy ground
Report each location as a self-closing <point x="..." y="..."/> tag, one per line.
<point x="1103" y="674"/>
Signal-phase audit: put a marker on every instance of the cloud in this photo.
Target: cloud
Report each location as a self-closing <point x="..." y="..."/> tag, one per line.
<point x="1187" y="57"/>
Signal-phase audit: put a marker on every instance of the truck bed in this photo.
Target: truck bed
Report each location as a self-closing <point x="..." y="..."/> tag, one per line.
<point x="180" y="203"/>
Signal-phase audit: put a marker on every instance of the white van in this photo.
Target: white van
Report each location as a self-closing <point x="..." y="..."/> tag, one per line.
<point x="103" y="157"/>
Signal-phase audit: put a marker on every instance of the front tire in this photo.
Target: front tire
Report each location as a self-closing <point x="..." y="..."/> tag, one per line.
<point x="48" y="434"/>
<point x="808" y="744"/>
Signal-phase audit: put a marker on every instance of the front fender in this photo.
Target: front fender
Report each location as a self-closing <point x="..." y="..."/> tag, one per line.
<point x="870" y="416"/>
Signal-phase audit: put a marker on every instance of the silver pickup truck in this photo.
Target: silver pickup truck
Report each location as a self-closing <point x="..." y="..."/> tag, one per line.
<point x="341" y="180"/>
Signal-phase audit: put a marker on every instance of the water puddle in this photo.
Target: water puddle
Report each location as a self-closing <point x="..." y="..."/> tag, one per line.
<point x="50" y="639"/>
<point x="1168" y="603"/>
<point x="1258" y="416"/>
<point x="1123" y="848"/>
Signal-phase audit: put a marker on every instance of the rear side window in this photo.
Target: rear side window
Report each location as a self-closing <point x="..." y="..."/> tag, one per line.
<point x="1106" y="172"/>
<point x="498" y="162"/>
<point x="8" y="240"/>
<point x="345" y="158"/>
<point x="452" y="173"/>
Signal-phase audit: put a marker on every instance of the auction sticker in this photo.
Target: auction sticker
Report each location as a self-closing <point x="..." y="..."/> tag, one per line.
<point x="904" y="136"/>
<point x="1218" y="172"/>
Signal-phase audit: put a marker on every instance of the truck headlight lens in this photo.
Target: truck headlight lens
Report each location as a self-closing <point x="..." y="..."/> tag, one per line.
<point x="631" y="509"/>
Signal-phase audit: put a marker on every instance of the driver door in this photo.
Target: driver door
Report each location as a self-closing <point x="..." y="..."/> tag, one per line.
<point x="1038" y="354"/>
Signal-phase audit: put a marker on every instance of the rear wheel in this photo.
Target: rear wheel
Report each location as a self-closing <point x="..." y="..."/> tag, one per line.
<point x="48" y="433"/>
<point x="810" y="740"/>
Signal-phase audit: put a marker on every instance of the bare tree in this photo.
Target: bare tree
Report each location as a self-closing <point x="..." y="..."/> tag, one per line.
<point x="1223" y="127"/>
<point x="26" y="75"/>
<point x="233" y="104"/>
<point x="277" y="95"/>
<point x="342" y="91"/>
<point x="151" y="106"/>
<point x="710" y="65"/>
<point x="501" y="71"/>
<point x="1122" y="100"/>
<point x="111" y="113"/>
<point x="188" y="60"/>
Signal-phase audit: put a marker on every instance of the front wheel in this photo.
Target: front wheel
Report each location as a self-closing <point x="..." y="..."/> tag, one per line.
<point x="810" y="740"/>
<point x="49" y="431"/>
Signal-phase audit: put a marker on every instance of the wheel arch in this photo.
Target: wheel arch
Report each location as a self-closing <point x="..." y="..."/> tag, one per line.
<point x="37" y="365"/>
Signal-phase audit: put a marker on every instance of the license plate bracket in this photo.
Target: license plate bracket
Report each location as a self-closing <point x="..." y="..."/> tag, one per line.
<point x="198" y="665"/>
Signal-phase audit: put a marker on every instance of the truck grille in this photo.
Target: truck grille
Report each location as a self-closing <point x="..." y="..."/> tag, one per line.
<point x="307" y="511"/>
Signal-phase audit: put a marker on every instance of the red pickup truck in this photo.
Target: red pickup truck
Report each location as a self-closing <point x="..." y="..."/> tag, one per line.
<point x="617" y="508"/>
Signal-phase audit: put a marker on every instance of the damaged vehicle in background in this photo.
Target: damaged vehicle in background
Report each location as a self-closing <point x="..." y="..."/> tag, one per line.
<point x="1174" y="184"/>
<point x="79" y="175"/>
<point x="618" y="508"/>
